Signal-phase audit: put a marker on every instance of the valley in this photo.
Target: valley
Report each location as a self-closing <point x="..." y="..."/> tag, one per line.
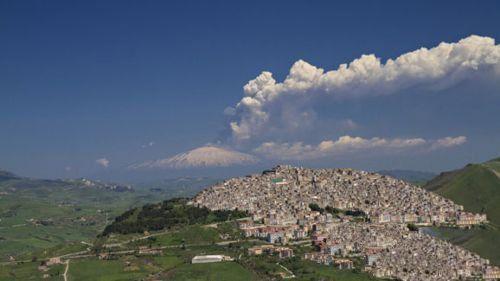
<point x="38" y="214"/>
<point x="89" y="232"/>
<point x="167" y="255"/>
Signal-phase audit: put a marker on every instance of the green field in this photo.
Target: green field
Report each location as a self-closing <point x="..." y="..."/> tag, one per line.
<point x="99" y="270"/>
<point x="224" y="271"/>
<point x="29" y="271"/>
<point x="312" y="271"/>
<point x="38" y="219"/>
<point x="36" y="215"/>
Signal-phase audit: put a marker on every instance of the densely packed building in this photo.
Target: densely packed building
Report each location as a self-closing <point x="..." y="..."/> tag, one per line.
<point x="283" y="195"/>
<point x="392" y="250"/>
<point x="281" y="202"/>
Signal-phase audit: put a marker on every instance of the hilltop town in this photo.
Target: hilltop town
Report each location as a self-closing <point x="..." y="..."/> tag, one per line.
<point x="349" y="214"/>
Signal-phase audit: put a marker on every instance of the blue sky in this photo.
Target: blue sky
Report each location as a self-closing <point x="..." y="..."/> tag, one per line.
<point x="85" y="80"/>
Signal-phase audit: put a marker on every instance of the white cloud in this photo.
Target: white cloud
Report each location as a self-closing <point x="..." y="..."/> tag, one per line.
<point x="349" y="144"/>
<point x="229" y="111"/>
<point x="449" y="142"/>
<point x="149" y="144"/>
<point x="269" y="106"/>
<point x="103" y="162"/>
<point x="348" y="124"/>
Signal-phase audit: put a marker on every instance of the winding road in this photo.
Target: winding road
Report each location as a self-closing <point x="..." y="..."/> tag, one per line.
<point x="65" y="275"/>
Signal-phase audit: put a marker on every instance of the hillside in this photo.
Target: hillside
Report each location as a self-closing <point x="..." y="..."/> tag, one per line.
<point x="176" y="232"/>
<point x="287" y="195"/>
<point x="158" y="242"/>
<point x="288" y="191"/>
<point x="301" y="219"/>
<point x="477" y="188"/>
<point x="37" y="214"/>
<point x="167" y="214"/>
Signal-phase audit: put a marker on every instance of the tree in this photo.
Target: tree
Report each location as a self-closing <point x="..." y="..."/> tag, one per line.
<point x="316" y="207"/>
<point x="412" y="227"/>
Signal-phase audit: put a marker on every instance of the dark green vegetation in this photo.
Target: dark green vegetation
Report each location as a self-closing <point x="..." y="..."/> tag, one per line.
<point x="477" y="188"/>
<point x="412" y="227"/>
<point x="336" y="212"/>
<point x="39" y="214"/>
<point x="168" y="214"/>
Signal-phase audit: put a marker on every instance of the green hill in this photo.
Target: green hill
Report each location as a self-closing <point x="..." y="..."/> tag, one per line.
<point x="167" y="214"/>
<point x="477" y="188"/>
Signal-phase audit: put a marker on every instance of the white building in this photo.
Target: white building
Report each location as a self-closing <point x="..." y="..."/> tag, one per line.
<point x="210" y="258"/>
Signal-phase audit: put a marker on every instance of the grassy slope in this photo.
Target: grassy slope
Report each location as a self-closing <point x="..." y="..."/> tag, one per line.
<point x="112" y="270"/>
<point x="477" y="188"/>
<point x="228" y="271"/>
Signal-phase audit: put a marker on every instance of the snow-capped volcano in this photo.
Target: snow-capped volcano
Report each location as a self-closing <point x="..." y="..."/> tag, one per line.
<point x="201" y="157"/>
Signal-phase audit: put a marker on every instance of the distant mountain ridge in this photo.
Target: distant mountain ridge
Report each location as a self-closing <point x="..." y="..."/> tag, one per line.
<point x="19" y="182"/>
<point x="177" y="187"/>
<point x="408" y="175"/>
